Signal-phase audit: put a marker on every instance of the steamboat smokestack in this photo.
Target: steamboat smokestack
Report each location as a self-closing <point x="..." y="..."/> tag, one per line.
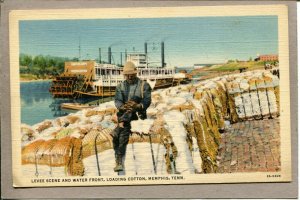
<point x="99" y="55"/>
<point x="109" y="55"/>
<point x="145" y="44"/>
<point x="162" y="54"/>
<point x="121" y="59"/>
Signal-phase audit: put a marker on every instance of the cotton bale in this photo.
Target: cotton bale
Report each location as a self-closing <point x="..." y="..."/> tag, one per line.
<point x="43" y="126"/>
<point x="101" y="137"/>
<point x="28" y="134"/>
<point x="72" y="119"/>
<point x="43" y="153"/>
<point x="29" y="151"/>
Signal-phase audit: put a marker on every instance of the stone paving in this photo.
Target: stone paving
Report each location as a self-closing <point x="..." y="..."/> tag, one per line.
<point x="250" y="146"/>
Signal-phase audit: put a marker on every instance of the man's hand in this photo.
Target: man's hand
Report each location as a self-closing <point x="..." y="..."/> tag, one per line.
<point x="131" y="105"/>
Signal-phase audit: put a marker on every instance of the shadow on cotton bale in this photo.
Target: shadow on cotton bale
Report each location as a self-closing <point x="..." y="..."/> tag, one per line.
<point x="218" y="103"/>
<point x="211" y="117"/>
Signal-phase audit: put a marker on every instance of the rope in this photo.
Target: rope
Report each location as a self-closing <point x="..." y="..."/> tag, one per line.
<point x="50" y="165"/>
<point x="96" y="154"/>
<point x="251" y="101"/>
<point x="153" y="161"/>
<point x="36" y="165"/>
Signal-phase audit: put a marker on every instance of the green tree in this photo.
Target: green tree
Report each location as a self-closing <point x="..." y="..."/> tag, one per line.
<point x="25" y="60"/>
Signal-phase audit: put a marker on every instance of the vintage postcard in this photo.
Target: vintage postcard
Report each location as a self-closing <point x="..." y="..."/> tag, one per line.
<point x="150" y="95"/>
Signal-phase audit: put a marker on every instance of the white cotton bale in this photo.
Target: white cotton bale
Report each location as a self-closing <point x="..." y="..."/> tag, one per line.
<point x="255" y="103"/>
<point x="247" y="104"/>
<point x="75" y="134"/>
<point x="47" y="134"/>
<point x="263" y="102"/>
<point x="252" y="86"/>
<point x="239" y="106"/>
<point x="173" y="91"/>
<point x="275" y="81"/>
<point x="199" y="89"/>
<point x="176" y="101"/>
<point x="244" y="85"/>
<point x="161" y="106"/>
<point x="210" y="85"/>
<point x="260" y="84"/>
<point x="272" y="101"/>
<point x="198" y="107"/>
<point x="107" y="124"/>
<point x="269" y="84"/>
<point x="222" y="84"/>
<point x="141" y="126"/>
<point x="151" y="111"/>
<point x="184" y="162"/>
<point x="196" y="156"/>
<point x="96" y="118"/>
<point x="174" y="115"/>
<point x="186" y="95"/>
<point x="234" y="90"/>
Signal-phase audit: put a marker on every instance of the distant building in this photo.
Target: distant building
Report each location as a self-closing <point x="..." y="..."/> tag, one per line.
<point x="269" y="57"/>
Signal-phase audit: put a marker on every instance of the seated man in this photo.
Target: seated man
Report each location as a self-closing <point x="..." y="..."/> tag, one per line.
<point x="132" y="96"/>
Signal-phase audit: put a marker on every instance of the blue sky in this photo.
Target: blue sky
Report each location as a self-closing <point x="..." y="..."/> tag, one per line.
<point x="187" y="40"/>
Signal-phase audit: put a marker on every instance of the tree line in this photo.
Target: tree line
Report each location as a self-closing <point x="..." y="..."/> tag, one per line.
<point x="42" y="66"/>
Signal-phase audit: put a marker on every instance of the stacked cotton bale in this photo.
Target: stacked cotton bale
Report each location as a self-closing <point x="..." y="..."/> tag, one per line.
<point x="204" y="125"/>
<point x="30" y="150"/>
<point x="64" y="152"/>
<point x="253" y="96"/>
<point x="97" y="140"/>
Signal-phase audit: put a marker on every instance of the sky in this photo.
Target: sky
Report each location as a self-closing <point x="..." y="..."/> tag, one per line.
<point x="188" y="40"/>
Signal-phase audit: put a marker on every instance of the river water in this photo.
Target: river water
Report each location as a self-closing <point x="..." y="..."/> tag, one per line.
<point x="37" y="104"/>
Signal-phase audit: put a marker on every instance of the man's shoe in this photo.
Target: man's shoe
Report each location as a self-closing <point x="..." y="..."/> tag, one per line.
<point x="118" y="168"/>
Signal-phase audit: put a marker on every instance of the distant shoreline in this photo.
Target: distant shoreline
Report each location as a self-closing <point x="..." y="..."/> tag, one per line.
<point x="33" y="80"/>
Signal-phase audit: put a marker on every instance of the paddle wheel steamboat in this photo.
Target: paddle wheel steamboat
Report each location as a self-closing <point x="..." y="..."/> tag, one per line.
<point x="92" y="79"/>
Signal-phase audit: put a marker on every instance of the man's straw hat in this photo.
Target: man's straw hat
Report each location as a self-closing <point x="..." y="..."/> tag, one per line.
<point x="129" y="68"/>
